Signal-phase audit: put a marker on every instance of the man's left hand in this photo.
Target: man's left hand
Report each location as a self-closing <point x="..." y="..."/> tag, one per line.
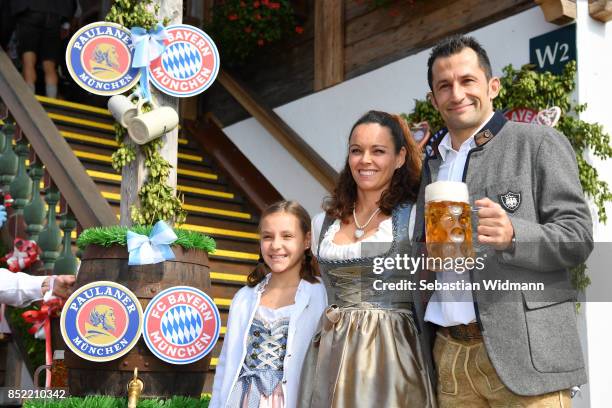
<point x="494" y="226"/>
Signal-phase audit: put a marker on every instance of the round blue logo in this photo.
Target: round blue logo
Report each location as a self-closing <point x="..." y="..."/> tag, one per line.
<point x="99" y="59"/>
<point x="101" y="321"/>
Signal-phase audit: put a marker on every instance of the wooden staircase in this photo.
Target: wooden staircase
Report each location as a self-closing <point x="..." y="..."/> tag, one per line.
<point x="215" y="205"/>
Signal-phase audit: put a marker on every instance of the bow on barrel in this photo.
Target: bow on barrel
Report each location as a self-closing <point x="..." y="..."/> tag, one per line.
<point x="41" y="320"/>
<point x="148" y="45"/>
<point x="152" y="249"/>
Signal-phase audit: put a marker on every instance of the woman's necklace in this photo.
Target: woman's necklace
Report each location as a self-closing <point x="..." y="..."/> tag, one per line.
<point x="361" y="228"/>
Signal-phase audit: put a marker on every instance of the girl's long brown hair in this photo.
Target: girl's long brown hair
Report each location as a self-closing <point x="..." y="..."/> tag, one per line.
<point x="404" y="183"/>
<point x="310" y="267"/>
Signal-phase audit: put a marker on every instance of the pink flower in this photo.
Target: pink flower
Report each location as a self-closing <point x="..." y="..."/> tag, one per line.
<point x="260" y="42"/>
<point x="274" y="6"/>
<point x="256" y="4"/>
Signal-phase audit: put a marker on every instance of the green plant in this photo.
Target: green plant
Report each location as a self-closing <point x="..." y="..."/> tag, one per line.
<point x="134" y="13"/>
<point x="116" y="235"/>
<point x="98" y="401"/>
<point x="240" y="27"/>
<point x="158" y="201"/>
<point x="539" y="90"/>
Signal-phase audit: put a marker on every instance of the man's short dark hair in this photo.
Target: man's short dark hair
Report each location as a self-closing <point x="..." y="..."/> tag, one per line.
<point x="454" y="45"/>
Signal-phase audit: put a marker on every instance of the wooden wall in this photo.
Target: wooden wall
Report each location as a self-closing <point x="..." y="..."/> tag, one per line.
<point x="372" y="39"/>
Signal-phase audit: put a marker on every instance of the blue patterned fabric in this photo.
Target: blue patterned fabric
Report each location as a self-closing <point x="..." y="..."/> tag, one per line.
<point x="181" y="324"/>
<point x="182" y="60"/>
<point x="262" y="370"/>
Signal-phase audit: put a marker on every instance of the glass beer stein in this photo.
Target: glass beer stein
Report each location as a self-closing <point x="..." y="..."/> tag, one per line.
<point x="448" y="224"/>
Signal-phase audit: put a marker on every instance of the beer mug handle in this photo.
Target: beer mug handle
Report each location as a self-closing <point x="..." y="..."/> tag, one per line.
<point x="141" y="103"/>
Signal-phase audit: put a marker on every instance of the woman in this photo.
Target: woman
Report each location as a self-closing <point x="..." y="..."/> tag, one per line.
<point x="368" y="353"/>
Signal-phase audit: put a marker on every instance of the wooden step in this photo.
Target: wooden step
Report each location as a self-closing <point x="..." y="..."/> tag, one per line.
<point x="95" y="138"/>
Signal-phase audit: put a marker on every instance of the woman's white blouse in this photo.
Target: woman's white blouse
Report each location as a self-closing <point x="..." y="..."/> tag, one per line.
<point x="332" y="251"/>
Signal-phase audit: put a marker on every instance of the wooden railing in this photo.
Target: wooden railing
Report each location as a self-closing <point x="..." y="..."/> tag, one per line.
<point x="62" y="166"/>
<point x="282" y="132"/>
<point x="52" y="197"/>
<point x="211" y="139"/>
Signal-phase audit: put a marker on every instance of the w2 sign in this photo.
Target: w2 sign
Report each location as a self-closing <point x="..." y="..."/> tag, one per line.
<point x="551" y="51"/>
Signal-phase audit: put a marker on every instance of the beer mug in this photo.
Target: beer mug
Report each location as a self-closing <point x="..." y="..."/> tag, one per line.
<point x="123" y="108"/>
<point x="448" y="221"/>
<point x="150" y="125"/>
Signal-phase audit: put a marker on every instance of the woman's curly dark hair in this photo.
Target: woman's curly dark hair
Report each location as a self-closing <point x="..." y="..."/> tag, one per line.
<point x="404" y="183"/>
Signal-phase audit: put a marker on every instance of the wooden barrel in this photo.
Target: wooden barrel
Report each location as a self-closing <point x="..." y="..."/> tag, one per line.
<point x="160" y="379"/>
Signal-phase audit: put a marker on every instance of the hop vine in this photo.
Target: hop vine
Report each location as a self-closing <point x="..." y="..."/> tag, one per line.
<point x="157" y="200"/>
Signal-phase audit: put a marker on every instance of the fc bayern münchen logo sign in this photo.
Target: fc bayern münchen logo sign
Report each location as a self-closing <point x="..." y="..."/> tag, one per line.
<point x="188" y="65"/>
<point x="99" y="58"/>
<point x="181" y="325"/>
<point x="101" y="321"/>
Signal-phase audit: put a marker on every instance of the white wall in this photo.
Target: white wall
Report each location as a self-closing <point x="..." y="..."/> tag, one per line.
<point x="324" y="119"/>
<point x="594" y="43"/>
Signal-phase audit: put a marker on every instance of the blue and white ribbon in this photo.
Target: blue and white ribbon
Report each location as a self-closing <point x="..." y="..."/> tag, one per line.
<point x="152" y="249"/>
<point x="147" y="47"/>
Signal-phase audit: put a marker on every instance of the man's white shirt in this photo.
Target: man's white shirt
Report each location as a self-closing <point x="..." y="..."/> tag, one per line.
<point x="444" y="307"/>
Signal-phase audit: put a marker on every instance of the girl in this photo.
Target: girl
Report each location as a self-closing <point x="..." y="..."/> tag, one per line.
<point x="273" y="319"/>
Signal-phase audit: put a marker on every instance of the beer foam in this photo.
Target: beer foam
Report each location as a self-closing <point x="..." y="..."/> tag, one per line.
<point x="447" y="191"/>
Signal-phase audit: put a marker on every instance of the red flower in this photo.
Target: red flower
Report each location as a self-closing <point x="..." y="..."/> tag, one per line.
<point x="257" y="16"/>
<point x="260" y="42"/>
<point x="299" y="29"/>
<point x="265" y="2"/>
<point x="274" y="6"/>
<point x="256" y="4"/>
<point x="232" y="17"/>
<point x="248" y="29"/>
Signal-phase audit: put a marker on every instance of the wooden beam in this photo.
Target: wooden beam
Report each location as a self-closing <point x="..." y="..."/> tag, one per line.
<point x="328" y="43"/>
<point x="282" y="132"/>
<point x="134" y="174"/>
<point x="601" y="10"/>
<point x="377" y="38"/>
<point x="558" y="11"/>
<point x="215" y="143"/>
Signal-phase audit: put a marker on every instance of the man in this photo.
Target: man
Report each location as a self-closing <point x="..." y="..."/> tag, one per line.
<point x="523" y="350"/>
<point x="20" y="289"/>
